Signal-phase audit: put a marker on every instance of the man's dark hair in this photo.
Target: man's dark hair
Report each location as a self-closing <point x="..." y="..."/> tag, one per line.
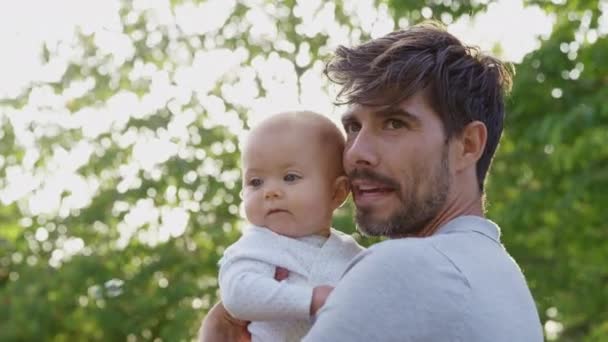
<point x="461" y="84"/>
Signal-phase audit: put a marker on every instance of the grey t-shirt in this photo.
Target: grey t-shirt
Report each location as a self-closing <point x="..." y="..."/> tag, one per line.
<point x="457" y="285"/>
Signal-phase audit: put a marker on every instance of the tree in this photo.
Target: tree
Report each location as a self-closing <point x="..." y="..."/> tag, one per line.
<point x="549" y="183"/>
<point x="120" y="178"/>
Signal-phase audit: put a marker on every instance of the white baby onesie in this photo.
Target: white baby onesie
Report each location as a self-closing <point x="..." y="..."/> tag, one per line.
<point x="280" y="311"/>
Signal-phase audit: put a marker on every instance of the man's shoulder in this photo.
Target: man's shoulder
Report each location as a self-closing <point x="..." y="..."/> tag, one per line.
<point x="459" y="239"/>
<point x="417" y="248"/>
<point x="411" y="292"/>
<point x="409" y="255"/>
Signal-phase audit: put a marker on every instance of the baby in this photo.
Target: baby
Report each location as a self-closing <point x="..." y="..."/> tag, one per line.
<point x="293" y="180"/>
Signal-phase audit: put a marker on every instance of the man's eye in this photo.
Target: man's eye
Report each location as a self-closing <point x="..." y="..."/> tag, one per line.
<point x="352" y="127"/>
<point x="394" y="124"/>
<point x="291" y="177"/>
<point x="255" y="182"/>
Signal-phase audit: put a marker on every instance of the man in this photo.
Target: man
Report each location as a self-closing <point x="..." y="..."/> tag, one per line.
<point x="425" y="117"/>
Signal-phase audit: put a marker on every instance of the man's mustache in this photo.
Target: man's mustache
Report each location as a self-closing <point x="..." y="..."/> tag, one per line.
<point x="369" y="175"/>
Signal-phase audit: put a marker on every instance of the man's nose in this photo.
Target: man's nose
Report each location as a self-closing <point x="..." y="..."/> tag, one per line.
<point x="361" y="151"/>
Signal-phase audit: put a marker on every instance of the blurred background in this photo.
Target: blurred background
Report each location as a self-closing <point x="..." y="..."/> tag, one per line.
<point x="120" y="124"/>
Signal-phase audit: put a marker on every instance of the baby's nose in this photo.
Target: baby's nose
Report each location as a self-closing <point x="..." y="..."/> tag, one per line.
<point x="272" y="193"/>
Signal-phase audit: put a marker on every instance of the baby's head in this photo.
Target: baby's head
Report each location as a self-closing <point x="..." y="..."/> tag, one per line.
<point x="293" y="178"/>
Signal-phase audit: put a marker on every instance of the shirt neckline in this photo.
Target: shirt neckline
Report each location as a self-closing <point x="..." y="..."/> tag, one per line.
<point x="471" y="223"/>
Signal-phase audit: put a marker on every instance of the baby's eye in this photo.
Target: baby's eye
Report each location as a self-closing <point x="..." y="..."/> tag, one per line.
<point x="291" y="177"/>
<point x="254" y="182"/>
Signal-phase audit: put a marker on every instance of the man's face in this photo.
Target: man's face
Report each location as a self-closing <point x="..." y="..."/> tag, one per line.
<point x="397" y="161"/>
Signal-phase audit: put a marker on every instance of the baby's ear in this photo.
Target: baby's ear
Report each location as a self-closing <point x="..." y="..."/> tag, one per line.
<point x="341" y="191"/>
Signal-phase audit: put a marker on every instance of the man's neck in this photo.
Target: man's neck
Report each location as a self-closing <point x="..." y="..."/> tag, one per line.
<point x="452" y="210"/>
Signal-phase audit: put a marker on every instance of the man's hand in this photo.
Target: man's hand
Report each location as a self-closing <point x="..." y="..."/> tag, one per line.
<point x="319" y="296"/>
<point x="219" y="326"/>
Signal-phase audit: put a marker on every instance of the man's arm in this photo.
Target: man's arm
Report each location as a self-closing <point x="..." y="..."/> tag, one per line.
<point x="219" y="326"/>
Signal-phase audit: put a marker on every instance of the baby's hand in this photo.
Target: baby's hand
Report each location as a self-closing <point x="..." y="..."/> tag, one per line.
<point x="319" y="296"/>
<point x="281" y="273"/>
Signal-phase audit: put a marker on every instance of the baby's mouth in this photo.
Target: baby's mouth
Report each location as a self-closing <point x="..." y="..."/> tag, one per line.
<point x="276" y="211"/>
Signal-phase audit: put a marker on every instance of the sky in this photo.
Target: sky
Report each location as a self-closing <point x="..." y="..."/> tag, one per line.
<point x="23" y="30"/>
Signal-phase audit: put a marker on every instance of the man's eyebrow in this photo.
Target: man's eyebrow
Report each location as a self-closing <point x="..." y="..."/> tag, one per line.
<point x="397" y="111"/>
<point x="384" y="113"/>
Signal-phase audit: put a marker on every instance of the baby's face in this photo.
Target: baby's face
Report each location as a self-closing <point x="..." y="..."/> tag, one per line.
<point x="286" y="187"/>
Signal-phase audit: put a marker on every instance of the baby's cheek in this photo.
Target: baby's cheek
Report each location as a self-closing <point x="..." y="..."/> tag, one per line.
<point x="252" y="210"/>
<point x="315" y="204"/>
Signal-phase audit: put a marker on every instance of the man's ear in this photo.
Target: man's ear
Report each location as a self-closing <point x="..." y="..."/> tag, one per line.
<point x="469" y="145"/>
<point x="341" y="190"/>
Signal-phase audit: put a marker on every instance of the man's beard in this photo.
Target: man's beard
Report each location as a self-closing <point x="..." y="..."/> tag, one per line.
<point x="417" y="209"/>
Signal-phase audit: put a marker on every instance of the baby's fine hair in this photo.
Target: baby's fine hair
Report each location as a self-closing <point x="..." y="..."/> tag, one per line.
<point x="328" y="135"/>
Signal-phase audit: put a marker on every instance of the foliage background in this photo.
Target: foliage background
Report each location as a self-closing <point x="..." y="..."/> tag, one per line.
<point x="112" y="230"/>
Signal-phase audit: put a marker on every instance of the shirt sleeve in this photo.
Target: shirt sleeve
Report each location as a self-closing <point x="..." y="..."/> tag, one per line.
<point x="250" y="292"/>
<point x="393" y="294"/>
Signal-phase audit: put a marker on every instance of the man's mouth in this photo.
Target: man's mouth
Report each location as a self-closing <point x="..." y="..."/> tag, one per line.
<point x="372" y="189"/>
<point x="369" y="193"/>
<point x="368" y="182"/>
